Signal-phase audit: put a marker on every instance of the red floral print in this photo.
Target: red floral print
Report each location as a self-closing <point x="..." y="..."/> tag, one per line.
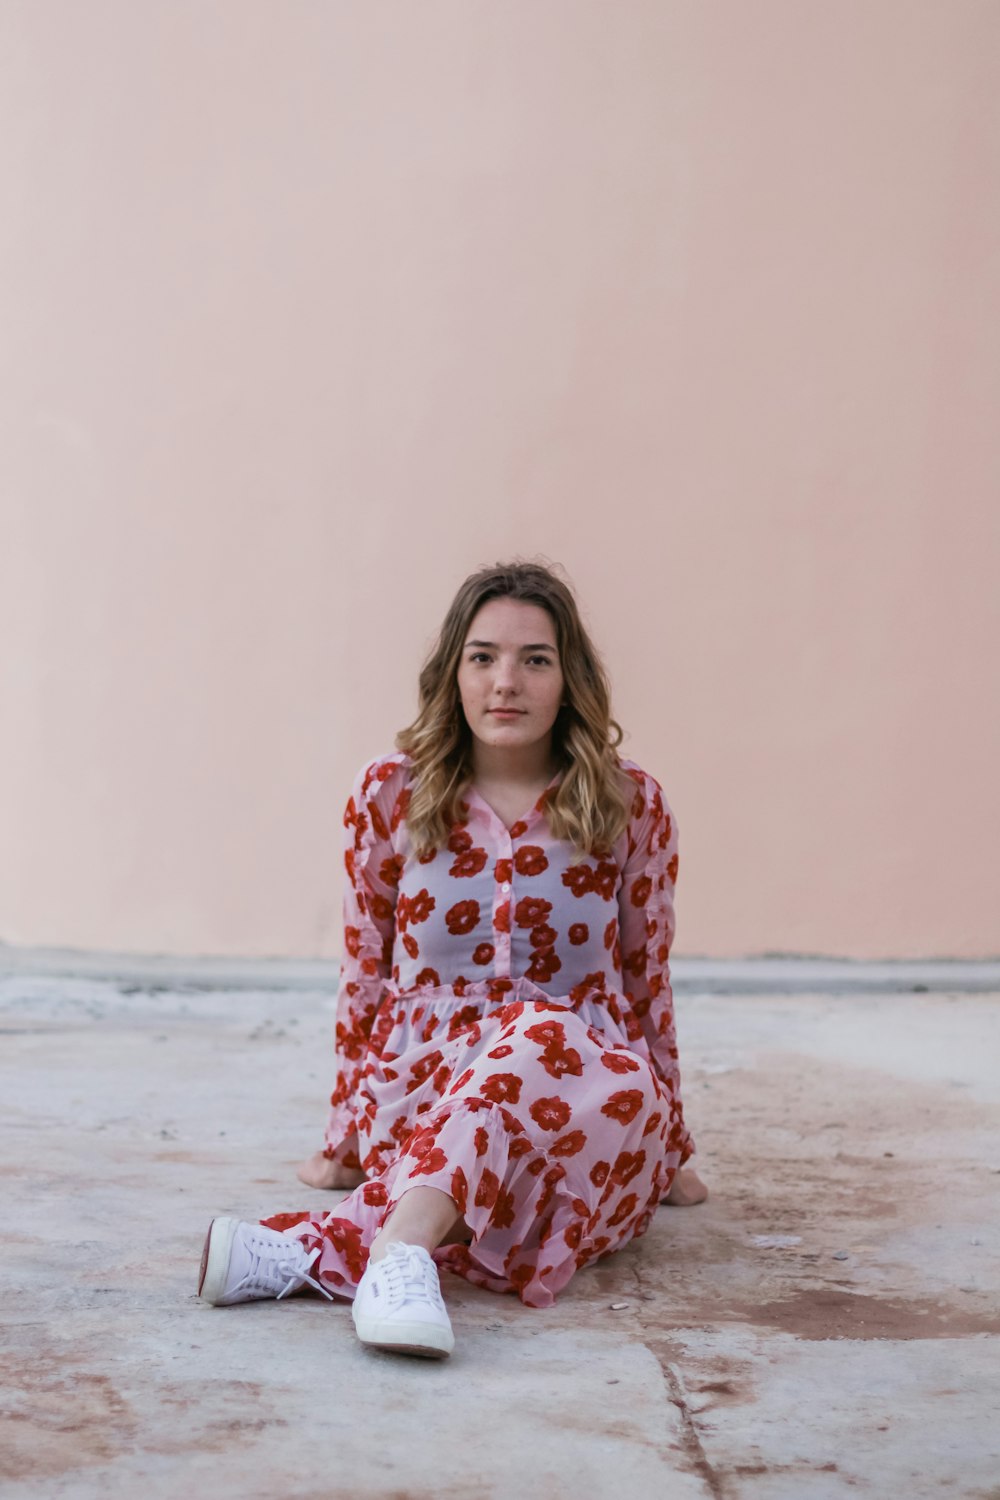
<point x="504" y="1210"/>
<point x="589" y="983"/>
<point x="502" y="1088"/>
<point x="282" y="1222"/>
<point x="569" y="1145"/>
<point x="469" y="863"/>
<point x="547" y="1033"/>
<point x="635" y="963"/>
<point x="620" y="1062"/>
<point x="530" y="860"/>
<point x="626" y="1207"/>
<point x="483" y="953"/>
<point x="463" y="917"/>
<point x="550" y="1113"/>
<point x="579" y="879"/>
<point x="420" y="906"/>
<point x="400" y="809"/>
<point x="628" y="1164"/>
<point x="623" y="1106"/>
<point x="543" y="936"/>
<point x="544" y="964"/>
<point x="558" y="1061"/>
<point x="422" y="1070"/>
<point x="578" y="933"/>
<point x="489" y="1187"/>
<point x="381" y="908"/>
<point x="434" y="1161"/>
<point x="459" y="1189"/>
<point x="532" y="911"/>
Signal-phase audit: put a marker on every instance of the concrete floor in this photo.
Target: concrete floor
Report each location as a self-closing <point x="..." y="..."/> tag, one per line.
<point x="827" y="1325"/>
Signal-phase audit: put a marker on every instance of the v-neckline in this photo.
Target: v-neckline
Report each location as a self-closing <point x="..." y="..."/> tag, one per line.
<point x="522" y="817"/>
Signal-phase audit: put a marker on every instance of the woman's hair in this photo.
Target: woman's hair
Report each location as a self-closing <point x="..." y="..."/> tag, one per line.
<point x="589" y="807"/>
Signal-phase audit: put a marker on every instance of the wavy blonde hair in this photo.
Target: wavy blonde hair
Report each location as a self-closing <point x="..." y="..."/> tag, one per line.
<point x="589" y="807"/>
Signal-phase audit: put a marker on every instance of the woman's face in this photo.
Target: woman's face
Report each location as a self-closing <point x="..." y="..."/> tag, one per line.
<point x="509" y="678"/>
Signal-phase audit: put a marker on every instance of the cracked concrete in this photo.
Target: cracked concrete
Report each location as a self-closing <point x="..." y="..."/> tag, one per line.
<point x="827" y="1325"/>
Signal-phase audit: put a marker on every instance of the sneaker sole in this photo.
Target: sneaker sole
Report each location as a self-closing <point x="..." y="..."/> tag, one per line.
<point x="215" y="1259"/>
<point x="422" y="1339"/>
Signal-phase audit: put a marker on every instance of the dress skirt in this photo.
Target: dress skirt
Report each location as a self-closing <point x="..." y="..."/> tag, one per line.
<point x="542" y="1118"/>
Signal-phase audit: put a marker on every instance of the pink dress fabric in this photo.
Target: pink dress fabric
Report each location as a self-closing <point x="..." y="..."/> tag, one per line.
<point x="505" y="1032"/>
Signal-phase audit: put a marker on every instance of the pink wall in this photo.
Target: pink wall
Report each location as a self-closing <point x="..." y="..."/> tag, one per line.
<point x="310" y="309"/>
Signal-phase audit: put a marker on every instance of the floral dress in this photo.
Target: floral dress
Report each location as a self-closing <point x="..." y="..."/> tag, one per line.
<point x="505" y="1033"/>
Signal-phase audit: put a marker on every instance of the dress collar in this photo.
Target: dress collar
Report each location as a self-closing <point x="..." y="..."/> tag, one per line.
<point x="472" y="797"/>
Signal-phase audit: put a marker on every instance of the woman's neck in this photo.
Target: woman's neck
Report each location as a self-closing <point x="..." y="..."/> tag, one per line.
<point x="532" y="765"/>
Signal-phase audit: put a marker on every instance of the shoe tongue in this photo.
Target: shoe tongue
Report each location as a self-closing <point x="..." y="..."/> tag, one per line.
<point x="413" y="1264"/>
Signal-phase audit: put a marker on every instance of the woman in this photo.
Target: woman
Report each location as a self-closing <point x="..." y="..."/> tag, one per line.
<point x="507" y="1064"/>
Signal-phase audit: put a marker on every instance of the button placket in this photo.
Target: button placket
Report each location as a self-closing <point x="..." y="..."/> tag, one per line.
<point x="503" y="895"/>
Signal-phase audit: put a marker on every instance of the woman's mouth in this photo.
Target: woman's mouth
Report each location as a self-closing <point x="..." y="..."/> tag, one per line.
<point x="506" y="713"/>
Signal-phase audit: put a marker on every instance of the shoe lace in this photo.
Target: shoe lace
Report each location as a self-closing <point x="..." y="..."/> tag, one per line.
<point x="270" y="1269"/>
<point x="411" y="1277"/>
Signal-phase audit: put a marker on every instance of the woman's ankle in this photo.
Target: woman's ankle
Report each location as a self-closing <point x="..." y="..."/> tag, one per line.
<point x="423" y="1216"/>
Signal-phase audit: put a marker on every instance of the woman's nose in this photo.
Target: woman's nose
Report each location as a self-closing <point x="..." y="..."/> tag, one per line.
<point x="505" y="678"/>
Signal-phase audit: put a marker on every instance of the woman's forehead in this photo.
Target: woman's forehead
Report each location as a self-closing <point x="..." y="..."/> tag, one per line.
<point x="512" y="622"/>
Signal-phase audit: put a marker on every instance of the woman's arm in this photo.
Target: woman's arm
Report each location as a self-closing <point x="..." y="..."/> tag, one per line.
<point x="373" y="867"/>
<point x="646" y="920"/>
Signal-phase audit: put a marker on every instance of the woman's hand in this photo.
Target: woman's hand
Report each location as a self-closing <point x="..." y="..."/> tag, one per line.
<point x="320" y="1172"/>
<point x="686" y="1190"/>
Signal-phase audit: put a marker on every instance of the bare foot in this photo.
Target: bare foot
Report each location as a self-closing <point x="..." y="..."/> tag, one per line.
<point x="320" y="1172"/>
<point x="686" y="1190"/>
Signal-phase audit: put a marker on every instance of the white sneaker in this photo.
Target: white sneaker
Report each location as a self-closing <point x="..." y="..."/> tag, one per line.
<point x="241" y="1262"/>
<point x="399" y="1306"/>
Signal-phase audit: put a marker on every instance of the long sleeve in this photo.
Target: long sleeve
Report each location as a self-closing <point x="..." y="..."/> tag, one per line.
<point x="372" y="867"/>
<point x="646" y="920"/>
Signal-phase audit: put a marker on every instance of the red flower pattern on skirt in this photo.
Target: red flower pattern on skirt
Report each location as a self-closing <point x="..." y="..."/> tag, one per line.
<point x="623" y="1106"/>
<point x="550" y="1114"/>
<point x="502" y="1088"/>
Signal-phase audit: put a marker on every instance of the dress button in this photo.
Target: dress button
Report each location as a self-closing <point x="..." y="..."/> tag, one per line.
<point x="505" y="887"/>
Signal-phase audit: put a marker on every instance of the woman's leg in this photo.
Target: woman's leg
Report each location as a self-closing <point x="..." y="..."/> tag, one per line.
<point x="423" y="1216"/>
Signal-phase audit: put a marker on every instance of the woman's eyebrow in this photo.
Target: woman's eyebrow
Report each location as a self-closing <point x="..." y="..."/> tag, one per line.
<point x="539" y="646"/>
